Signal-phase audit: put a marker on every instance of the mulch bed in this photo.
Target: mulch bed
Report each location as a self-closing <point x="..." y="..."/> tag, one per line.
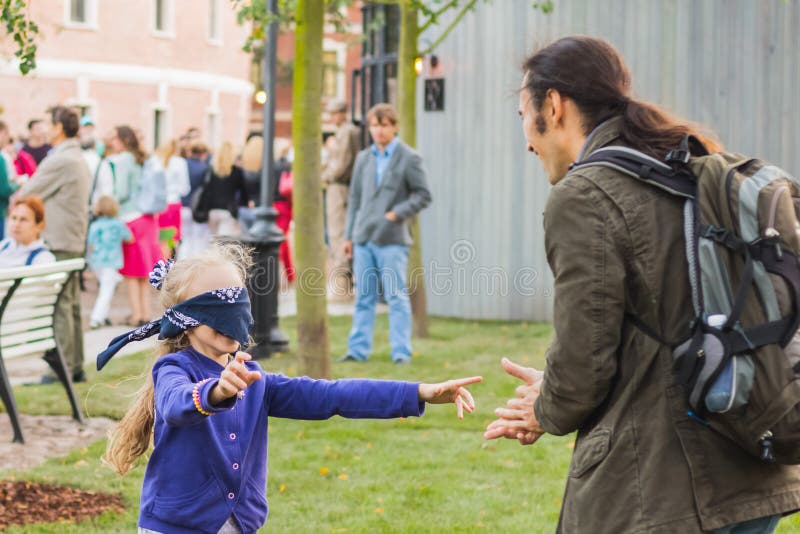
<point x="24" y="503"/>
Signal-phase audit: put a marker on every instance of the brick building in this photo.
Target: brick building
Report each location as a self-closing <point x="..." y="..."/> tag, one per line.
<point x="161" y="66"/>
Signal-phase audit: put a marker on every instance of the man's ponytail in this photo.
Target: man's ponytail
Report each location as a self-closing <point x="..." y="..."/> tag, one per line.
<point x="592" y="74"/>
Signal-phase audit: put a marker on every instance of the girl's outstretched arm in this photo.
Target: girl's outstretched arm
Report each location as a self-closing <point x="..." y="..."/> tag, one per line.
<point x="450" y="391"/>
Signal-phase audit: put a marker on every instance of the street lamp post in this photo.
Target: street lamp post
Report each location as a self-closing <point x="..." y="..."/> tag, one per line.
<point x="264" y="235"/>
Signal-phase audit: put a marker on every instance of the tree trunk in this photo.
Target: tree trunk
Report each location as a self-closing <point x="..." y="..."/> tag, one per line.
<point x="407" y="111"/>
<point x="313" y="348"/>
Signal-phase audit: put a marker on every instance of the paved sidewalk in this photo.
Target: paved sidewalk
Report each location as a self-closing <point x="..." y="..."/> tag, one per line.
<point x="31" y="368"/>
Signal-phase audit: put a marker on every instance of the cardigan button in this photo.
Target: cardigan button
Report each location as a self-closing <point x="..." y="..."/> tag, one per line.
<point x="232" y="436"/>
<point x="235" y="466"/>
<point x="231" y="495"/>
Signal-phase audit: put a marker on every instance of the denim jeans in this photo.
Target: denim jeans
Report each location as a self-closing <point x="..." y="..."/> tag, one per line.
<point x="762" y="525"/>
<point x="387" y="264"/>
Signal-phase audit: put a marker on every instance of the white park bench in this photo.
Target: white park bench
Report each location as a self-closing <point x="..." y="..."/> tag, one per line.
<point x="27" y="309"/>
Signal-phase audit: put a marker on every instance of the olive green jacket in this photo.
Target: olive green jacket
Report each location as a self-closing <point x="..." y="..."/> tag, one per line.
<point x="640" y="464"/>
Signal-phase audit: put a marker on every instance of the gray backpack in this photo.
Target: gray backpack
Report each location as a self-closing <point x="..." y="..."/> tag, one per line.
<point x="740" y="367"/>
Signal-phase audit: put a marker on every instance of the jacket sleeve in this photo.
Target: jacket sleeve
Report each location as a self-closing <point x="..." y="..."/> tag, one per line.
<point x="46" y="181"/>
<point x="173" y="397"/>
<point x="354" y="199"/>
<point x="126" y="233"/>
<point x="104" y="181"/>
<point x="306" y="398"/>
<point x="419" y="195"/>
<point x="92" y="234"/>
<point x="244" y="198"/>
<point x="340" y="159"/>
<point x="182" y="169"/>
<point x="582" y="230"/>
<point x="5" y="184"/>
<point x="27" y="165"/>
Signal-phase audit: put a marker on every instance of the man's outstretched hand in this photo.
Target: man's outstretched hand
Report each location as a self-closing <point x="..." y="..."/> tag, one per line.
<point x="518" y="420"/>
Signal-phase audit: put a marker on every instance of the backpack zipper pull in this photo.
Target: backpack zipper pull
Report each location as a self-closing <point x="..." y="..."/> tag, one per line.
<point x="772" y="234"/>
<point x="767" y="454"/>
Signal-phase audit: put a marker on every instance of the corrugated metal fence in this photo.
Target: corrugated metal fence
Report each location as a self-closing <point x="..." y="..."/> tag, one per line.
<point x="732" y="65"/>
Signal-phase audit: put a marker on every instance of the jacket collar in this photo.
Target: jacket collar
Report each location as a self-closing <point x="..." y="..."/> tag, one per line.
<point x="603" y="134"/>
<point x="66" y="144"/>
<point x="14" y="245"/>
<point x="390" y="148"/>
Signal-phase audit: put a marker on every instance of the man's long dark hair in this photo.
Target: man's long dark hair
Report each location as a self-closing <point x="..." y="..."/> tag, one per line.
<point x="592" y="74"/>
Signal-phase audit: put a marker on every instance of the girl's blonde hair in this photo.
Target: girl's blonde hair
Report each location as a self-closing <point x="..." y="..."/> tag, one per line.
<point x="106" y="206"/>
<point x="166" y="150"/>
<point x="223" y="160"/>
<point x="252" y="153"/>
<point x="133" y="435"/>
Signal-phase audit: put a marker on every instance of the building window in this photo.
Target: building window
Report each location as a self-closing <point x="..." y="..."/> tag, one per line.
<point x="77" y="11"/>
<point x="81" y="14"/>
<point x="212" y="127"/>
<point x="159" y="127"/>
<point x="214" y="33"/>
<point x="330" y="74"/>
<point x="334" y="56"/>
<point x="162" y="18"/>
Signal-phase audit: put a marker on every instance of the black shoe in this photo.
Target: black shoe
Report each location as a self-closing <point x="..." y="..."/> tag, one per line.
<point x="349" y="358"/>
<point x="402" y="361"/>
<point x="79" y="376"/>
<point x="47" y="379"/>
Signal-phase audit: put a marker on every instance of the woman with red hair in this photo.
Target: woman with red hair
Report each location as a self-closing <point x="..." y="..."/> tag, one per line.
<point x="24" y="246"/>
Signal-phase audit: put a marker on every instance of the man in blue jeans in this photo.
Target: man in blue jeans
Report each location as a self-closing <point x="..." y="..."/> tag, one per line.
<point x="388" y="187"/>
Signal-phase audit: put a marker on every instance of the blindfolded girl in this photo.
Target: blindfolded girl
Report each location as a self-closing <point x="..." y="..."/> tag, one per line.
<point x="206" y="404"/>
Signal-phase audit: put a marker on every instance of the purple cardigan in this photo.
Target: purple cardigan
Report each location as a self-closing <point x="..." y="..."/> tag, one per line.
<point x="206" y="468"/>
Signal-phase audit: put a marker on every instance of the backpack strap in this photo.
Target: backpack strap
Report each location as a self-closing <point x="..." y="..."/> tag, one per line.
<point x="674" y="180"/>
<point x="33" y="253"/>
<point x="649" y="331"/>
<point x="748" y="225"/>
<point x="688" y="147"/>
<point x="94" y="182"/>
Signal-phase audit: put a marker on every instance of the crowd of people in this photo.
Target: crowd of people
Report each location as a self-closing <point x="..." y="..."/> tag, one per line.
<point x="65" y="193"/>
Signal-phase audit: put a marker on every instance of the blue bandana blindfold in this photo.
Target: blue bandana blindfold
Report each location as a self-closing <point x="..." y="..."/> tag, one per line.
<point x="226" y="310"/>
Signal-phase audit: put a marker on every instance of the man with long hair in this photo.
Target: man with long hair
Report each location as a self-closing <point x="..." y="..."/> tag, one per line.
<point x="615" y="246"/>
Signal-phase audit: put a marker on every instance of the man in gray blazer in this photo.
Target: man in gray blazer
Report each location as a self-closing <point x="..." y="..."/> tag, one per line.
<point x="63" y="181"/>
<point x="388" y="187"/>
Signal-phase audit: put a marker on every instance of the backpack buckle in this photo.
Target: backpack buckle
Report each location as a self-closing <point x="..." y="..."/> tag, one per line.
<point x="678" y="155"/>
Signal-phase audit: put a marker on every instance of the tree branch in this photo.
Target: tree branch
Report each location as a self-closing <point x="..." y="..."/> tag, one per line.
<point x="449" y="28"/>
<point x="436" y="14"/>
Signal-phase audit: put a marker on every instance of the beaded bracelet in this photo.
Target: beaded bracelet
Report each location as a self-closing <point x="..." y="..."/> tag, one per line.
<point x="196" y="396"/>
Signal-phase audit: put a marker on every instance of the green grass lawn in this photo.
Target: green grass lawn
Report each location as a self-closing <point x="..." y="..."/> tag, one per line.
<point x="428" y="474"/>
